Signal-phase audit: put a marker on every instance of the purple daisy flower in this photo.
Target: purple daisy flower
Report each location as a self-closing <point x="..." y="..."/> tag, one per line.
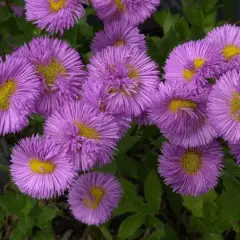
<point x="144" y="119"/>
<point x="118" y="33"/>
<point x="17" y="10"/>
<point x="93" y="197"/>
<point x="55" y="15"/>
<point x="60" y="69"/>
<point x="41" y="168"/>
<point x="19" y="89"/>
<point x="122" y="80"/>
<point x="227" y="39"/>
<point x="193" y="62"/>
<point x="89" y="136"/>
<point x="133" y="12"/>
<point x="191" y="171"/>
<point x="181" y="114"/>
<point x="224" y="106"/>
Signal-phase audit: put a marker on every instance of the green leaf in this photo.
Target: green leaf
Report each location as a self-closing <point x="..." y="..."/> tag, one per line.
<point x="154" y="222"/>
<point x="130" y="225"/>
<point x="213" y="236"/>
<point x="45" y="234"/>
<point x="45" y="217"/>
<point x="109" y="168"/>
<point x="182" y="29"/>
<point x="107" y="235"/>
<point x="126" y="143"/>
<point x="170" y="233"/>
<point x="85" y="29"/>
<point x="71" y="35"/>
<point x="157" y="235"/>
<point x="153" y="191"/>
<point x="210" y="210"/>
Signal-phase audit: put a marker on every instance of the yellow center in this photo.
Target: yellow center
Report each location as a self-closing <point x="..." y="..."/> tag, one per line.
<point x="198" y="63"/>
<point x="87" y="132"/>
<point x="235" y="106"/>
<point x="230" y="51"/>
<point x="51" y="71"/>
<point x="97" y="193"/>
<point x="133" y="72"/>
<point x="6" y="91"/>
<point x="120" y="5"/>
<point x="57" y="5"/>
<point x="177" y="104"/>
<point x="42" y="167"/>
<point x="120" y="43"/>
<point x="188" y="74"/>
<point x="191" y="162"/>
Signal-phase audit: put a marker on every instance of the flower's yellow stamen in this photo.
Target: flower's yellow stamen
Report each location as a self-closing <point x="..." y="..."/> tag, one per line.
<point x="133" y="72"/>
<point x="191" y="162"/>
<point x="230" y="51"/>
<point x="87" y="132"/>
<point x="198" y="63"/>
<point x="235" y="106"/>
<point x="188" y="74"/>
<point x="177" y="104"/>
<point x="120" y="5"/>
<point x="57" y="5"/>
<point x="120" y="43"/>
<point x="51" y="71"/>
<point x="6" y="91"/>
<point x="97" y="193"/>
<point x="42" y="167"/>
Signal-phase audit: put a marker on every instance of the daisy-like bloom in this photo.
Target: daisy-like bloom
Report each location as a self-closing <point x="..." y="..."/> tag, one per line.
<point x="224" y="106"/>
<point x="89" y="136"/>
<point x="122" y="80"/>
<point x="55" y="15"/>
<point x="191" y="171"/>
<point x="118" y="33"/>
<point x="41" y="168"/>
<point x="193" y="63"/>
<point x="144" y="119"/>
<point x="19" y="90"/>
<point x="60" y="69"/>
<point x="227" y="39"/>
<point x="93" y="197"/>
<point x="133" y="12"/>
<point x="181" y="114"/>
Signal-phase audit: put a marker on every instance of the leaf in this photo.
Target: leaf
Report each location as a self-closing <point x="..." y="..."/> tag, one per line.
<point x="170" y="233"/>
<point x="153" y="191"/>
<point x="157" y="235"/>
<point x="213" y="236"/>
<point x="45" y="216"/>
<point x="126" y="143"/>
<point x="182" y="29"/>
<point x="130" y="225"/>
<point x="154" y="222"/>
<point x="107" y="235"/>
<point x="210" y="210"/>
<point x="109" y="168"/>
<point x="44" y="234"/>
<point x="71" y="35"/>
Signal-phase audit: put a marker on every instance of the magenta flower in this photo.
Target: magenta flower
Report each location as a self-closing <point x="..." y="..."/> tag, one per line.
<point x="89" y="136"/>
<point x="60" y="70"/>
<point x="122" y="80"/>
<point x="193" y="63"/>
<point x="116" y="34"/>
<point x="55" y="15"/>
<point x="19" y="90"/>
<point x="227" y="39"/>
<point x="191" y="171"/>
<point x="93" y="197"/>
<point x="224" y="106"/>
<point x="41" y="168"/>
<point x="133" y="12"/>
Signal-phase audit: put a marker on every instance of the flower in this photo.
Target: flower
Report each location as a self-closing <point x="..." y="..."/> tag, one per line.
<point x="191" y="171"/>
<point x="59" y="68"/>
<point x="236" y="151"/>
<point x="41" y="168"/>
<point x="144" y="119"/>
<point x="93" y="197"/>
<point x="116" y="34"/>
<point x="193" y="63"/>
<point x="17" y="10"/>
<point x="227" y="39"/>
<point x="55" y="16"/>
<point x="122" y="80"/>
<point x="133" y="12"/>
<point x="224" y="106"/>
<point x="19" y="90"/>
<point x="89" y="136"/>
<point x="181" y="114"/>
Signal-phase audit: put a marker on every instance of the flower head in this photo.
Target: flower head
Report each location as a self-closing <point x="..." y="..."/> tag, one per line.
<point x="227" y="39"/>
<point x="191" y="171"/>
<point x="224" y="106"/>
<point x="55" y="15"/>
<point x="19" y="90"/>
<point x="133" y="12"/>
<point x="89" y="136"/>
<point x="93" y="197"/>
<point x="41" y="168"/>
<point x="59" y="68"/>
<point x="116" y="34"/>
<point x="181" y="114"/>
<point x="193" y="63"/>
<point x="122" y="80"/>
